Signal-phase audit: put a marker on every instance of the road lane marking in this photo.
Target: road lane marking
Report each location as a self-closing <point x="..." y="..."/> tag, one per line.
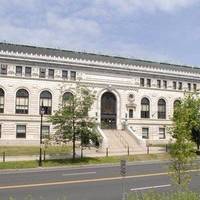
<point x="84" y="181"/>
<point x="150" y="187"/>
<point x="79" y="173"/>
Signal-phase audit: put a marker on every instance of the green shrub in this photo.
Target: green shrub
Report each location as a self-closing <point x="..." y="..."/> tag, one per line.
<point x="165" y="196"/>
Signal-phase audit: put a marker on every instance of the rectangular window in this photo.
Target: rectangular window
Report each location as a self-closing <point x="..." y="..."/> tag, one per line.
<point x="145" y="133"/>
<point x="0" y="130"/>
<point x="51" y="73"/>
<point x="73" y="75"/>
<point x="165" y="84"/>
<point x="3" y="69"/>
<point x="64" y="74"/>
<point x="130" y="113"/>
<point x="180" y="85"/>
<point x="45" y="131"/>
<point x="22" y="105"/>
<point x="161" y="133"/>
<point x="158" y="83"/>
<point x="142" y="82"/>
<point x="21" y="131"/>
<point x="42" y="73"/>
<point x="174" y="85"/>
<point x="28" y="71"/>
<point x="148" y="82"/>
<point x="195" y="87"/>
<point x="189" y="86"/>
<point x="18" y="71"/>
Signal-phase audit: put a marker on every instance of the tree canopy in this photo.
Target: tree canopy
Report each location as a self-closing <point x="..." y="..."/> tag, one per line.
<point x="186" y="119"/>
<point x="72" y="121"/>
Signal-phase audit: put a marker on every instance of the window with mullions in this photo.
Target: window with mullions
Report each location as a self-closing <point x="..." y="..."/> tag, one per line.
<point x="158" y="83"/>
<point x="21" y="131"/>
<point x="22" y="98"/>
<point x="142" y="82"/>
<point x="73" y="75"/>
<point x="145" y="133"/>
<point x="51" y="73"/>
<point x="161" y="109"/>
<point x="2" y="95"/>
<point x="28" y="71"/>
<point x="195" y="87"/>
<point x="46" y="102"/>
<point x="180" y="85"/>
<point x="45" y="131"/>
<point x="145" y="108"/>
<point x="42" y="73"/>
<point x="3" y="69"/>
<point x="148" y="82"/>
<point x="64" y="74"/>
<point x="162" y="133"/>
<point x="130" y="113"/>
<point x="165" y="84"/>
<point x="18" y="71"/>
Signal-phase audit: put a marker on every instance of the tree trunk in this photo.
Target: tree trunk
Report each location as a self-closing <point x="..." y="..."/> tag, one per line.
<point x="74" y="142"/>
<point x="179" y="174"/>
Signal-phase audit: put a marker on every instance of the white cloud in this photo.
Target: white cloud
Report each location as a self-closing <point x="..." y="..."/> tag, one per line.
<point x="84" y="28"/>
<point x="74" y="25"/>
<point x="146" y="5"/>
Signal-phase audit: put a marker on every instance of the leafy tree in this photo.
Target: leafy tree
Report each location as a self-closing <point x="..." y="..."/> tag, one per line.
<point x="72" y="120"/>
<point x="186" y="117"/>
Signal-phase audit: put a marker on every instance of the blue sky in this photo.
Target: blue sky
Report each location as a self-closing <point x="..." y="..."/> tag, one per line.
<point x="159" y="30"/>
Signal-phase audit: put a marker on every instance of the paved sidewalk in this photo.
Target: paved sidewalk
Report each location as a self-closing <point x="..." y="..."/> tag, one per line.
<point x="92" y="152"/>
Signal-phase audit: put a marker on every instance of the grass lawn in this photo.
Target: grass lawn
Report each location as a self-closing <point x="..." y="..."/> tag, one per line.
<point x="83" y="161"/>
<point x="33" y="150"/>
<point x="179" y="195"/>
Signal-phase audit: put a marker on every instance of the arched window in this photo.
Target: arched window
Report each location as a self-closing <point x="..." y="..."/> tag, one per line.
<point x="176" y="103"/>
<point x="2" y="95"/>
<point x="22" y="98"/>
<point x="46" y="102"/>
<point x="66" y="97"/>
<point x="145" y="108"/>
<point x="161" y="109"/>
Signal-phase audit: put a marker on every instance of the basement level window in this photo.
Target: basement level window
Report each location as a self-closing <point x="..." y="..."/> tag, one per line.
<point x="21" y="131"/>
<point x="145" y="133"/>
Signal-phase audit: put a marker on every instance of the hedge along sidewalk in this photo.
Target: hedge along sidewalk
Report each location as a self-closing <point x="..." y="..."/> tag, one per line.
<point x="83" y="161"/>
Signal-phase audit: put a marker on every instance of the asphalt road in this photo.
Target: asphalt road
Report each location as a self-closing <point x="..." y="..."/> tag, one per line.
<point x="87" y="183"/>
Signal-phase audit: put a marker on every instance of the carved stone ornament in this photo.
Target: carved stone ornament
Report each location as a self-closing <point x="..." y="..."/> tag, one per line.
<point x="131" y="97"/>
<point x="131" y="105"/>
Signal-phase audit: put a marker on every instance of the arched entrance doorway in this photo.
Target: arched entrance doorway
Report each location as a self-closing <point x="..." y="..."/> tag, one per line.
<point x="108" y="111"/>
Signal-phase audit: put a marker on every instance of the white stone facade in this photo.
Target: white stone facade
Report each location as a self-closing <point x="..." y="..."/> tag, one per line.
<point x="100" y="76"/>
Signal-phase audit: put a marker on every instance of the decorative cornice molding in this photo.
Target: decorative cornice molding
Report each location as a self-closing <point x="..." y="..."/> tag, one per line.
<point x="94" y="63"/>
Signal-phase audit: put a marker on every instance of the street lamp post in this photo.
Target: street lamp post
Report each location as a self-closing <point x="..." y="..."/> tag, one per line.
<point x="41" y="120"/>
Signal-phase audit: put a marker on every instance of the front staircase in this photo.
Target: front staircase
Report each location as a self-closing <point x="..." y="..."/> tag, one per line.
<point x="120" y="141"/>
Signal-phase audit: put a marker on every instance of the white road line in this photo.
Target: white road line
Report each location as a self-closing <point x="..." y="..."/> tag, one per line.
<point x="77" y="174"/>
<point x="151" y="187"/>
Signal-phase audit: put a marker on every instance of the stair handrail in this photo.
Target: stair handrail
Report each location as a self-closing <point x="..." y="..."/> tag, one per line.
<point x="105" y="139"/>
<point x="139" y="140"/>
